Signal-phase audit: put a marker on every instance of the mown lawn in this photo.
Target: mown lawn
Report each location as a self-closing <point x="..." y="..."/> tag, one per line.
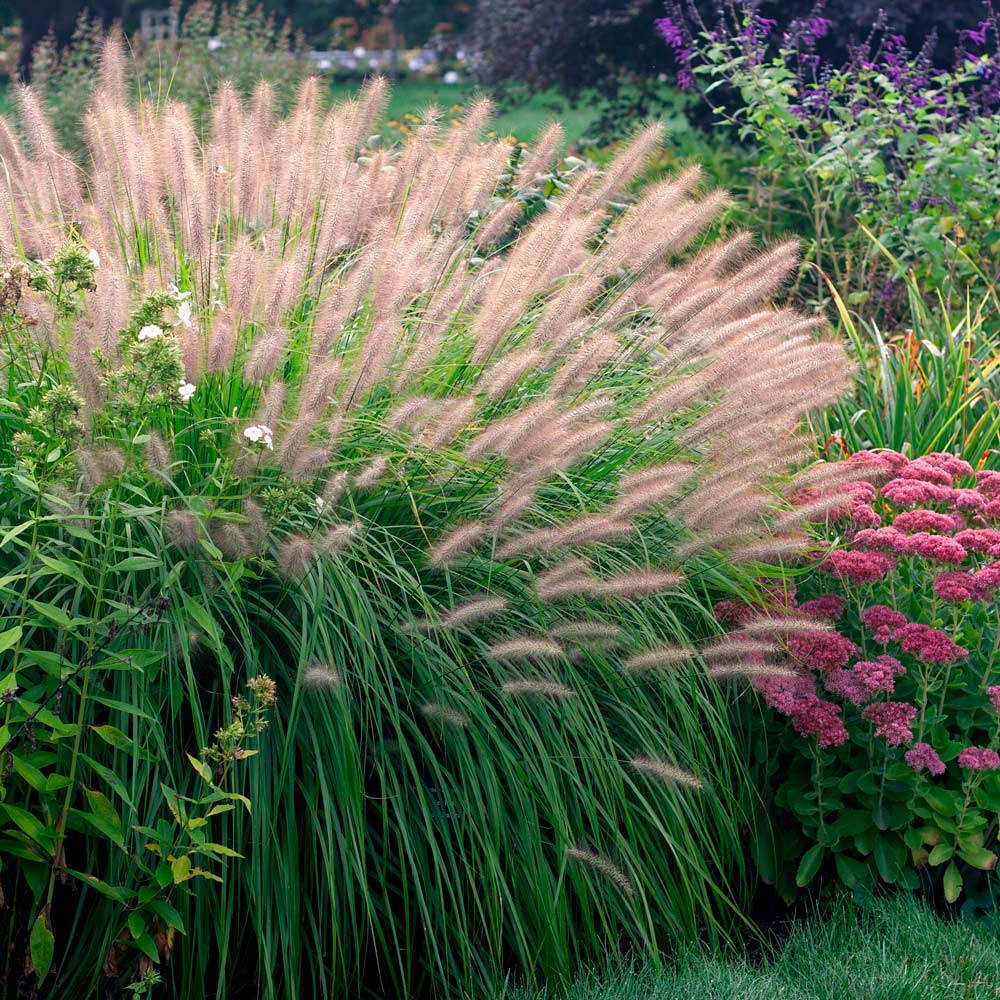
<point x="894" y="950"/>
<point x="523" y="121"/>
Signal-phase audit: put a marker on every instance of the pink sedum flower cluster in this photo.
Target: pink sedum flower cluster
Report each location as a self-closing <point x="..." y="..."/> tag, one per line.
<point x="893" y="721"/>
<point x="929" y="645"/>
<point x="927" y="530"/>
<point x="882" y="622"/>
<point x="810" y="715"/>
<point x="979" y="759"/>
<point x="865" y="679"/>
<point x="923" y="755"/>
<point x="822" y="651"/>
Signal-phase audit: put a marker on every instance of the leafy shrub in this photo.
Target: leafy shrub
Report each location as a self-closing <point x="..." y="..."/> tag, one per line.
<point x="889" y="768"/>
<point x="906" y="149"/>
<point x="404" y="430"/>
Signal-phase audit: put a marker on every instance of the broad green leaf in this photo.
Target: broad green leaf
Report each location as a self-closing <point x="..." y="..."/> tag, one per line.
<point x="204" y="771"/>
<point x="122" y="706"/>
<point x="103" y="816"/>
<point x="940" y="853"/>
<point x="116" y="892"/>
<point x="850" y="871"/>
<point x="63" y="567"/>
<point x="890" y="857"/>
<point x="952" y="882"/>
<point x="226" y="852"/>
<point x="147" y="946"/>
<point x="167" y="913"/>
<point x="164" y="874"/>
<point x="114" y="736"/>
<point x="107" y="775"/>
<point x="134" y="563"/>
<point x="809" y="865"/>
<point x="29" y="772"/>
<point x="42" y="945"/>
<point x="181" y="869"/>
<point x="979" y="857"/>
<point x="136" y="924"/>
<point x="55" y="614"/>
<point x="10" y="637"/>
<point x="30" y="825"/>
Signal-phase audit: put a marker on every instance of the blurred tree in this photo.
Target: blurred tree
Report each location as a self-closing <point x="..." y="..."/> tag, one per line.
<point x="38" y="17"/>
<point x="572" y="44"/>
<point x="569" y="44"/>
<point x="414" y="20"/>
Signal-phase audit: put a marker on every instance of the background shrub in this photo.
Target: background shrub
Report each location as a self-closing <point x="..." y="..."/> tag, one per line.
<point x="238" y="42"/>
<point x="880" y="144"/>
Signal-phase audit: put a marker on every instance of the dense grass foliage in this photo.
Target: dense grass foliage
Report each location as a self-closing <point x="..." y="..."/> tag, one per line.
<point x="450" y="445"/>
<point x="931" y="386"/>
<point x="889" y="949"/>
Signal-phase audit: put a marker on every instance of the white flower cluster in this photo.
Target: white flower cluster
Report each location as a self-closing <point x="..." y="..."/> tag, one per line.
<point x="182" y="305"/>
<point x="150" y="332"/>
<point x="260" y="434"/>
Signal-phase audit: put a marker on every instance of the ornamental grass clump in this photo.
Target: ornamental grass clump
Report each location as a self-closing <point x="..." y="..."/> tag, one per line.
<point x="888" y="762"/>
<point x="449" y="496"/>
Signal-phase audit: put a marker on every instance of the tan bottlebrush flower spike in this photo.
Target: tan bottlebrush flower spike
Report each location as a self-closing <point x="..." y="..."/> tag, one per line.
<point x="526" y="347"/>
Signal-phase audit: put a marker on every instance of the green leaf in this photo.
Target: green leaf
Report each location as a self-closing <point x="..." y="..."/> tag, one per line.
<point x="133" y="563"/>
<point x="202" y="768"/>
<point x="174" y="804"/>
<point x="30" y="825"/>
<point x="809" y="865"/>
<point x="221" y="849"/>
<point x="18" y="529"/>
<point x="940" y="853"/>
<point x="850" y="871"/>
<point x="147" y="946"/>
<point x="10" y="637"/>
<point x="979" y="857"/>
<point x="103" y="816"/>
<point x="122" y="706"/>
<point x="111" y="779"/>
<point x="63" y="567"/>
<point x="890" y="857"/>
<point x="952" y="883"/>
<point x="42" y="945"/>
<point x="114" y="736"/>
<point x="851" y="822"/>
<point x="167" y="913"/>
<point x="942" y="801"/>
<point x="29" y="772"/>
<point x="181" y="869"/>
<point x="116" y="892"/>
<point x="53" y="613"/>
<point x="136" y="924"/>
<point x="236" y="797"/>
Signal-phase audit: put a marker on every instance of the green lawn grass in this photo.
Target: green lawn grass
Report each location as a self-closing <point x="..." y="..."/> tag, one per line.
<point x="523" y="121"/>
<point x="892" y="950"/>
